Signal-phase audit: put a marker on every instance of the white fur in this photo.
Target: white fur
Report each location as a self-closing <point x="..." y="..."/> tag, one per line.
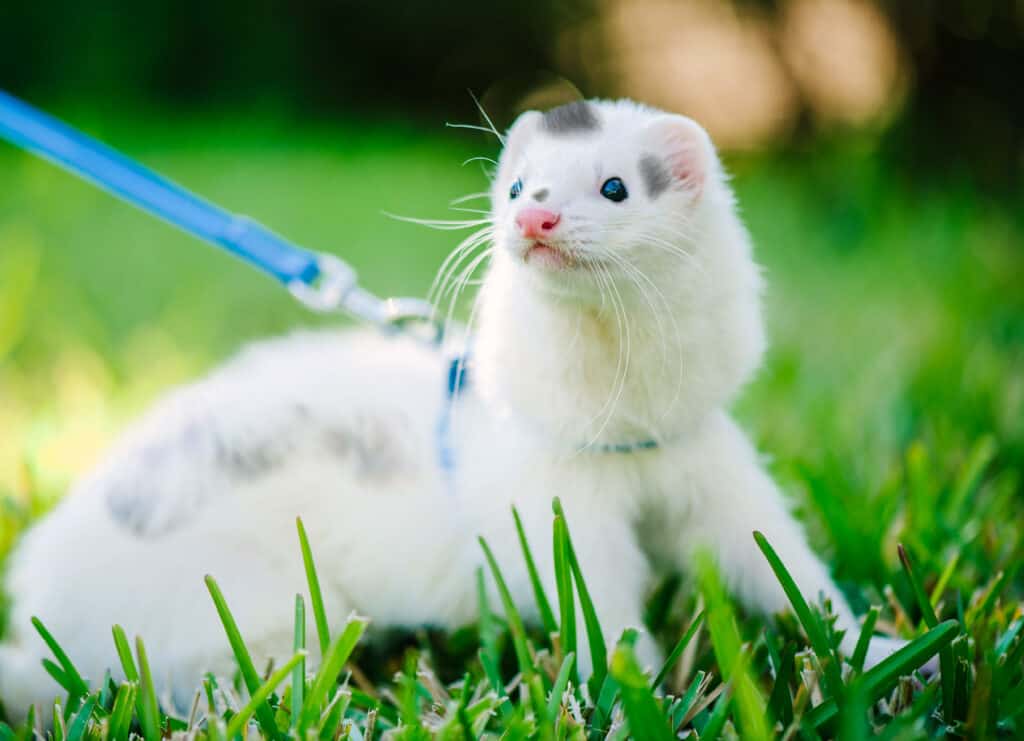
<point x="339" y="428"/>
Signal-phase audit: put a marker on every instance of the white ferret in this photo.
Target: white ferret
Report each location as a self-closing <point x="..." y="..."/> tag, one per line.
<point x="619" y="316"/>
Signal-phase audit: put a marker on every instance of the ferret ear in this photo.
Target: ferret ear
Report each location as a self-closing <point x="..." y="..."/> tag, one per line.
<point x="680" y="154"/>
<point x="521" y="131"/>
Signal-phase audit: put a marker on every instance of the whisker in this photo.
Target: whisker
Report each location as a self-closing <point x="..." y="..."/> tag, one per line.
<point x="474" y="127"/>
<point x="470" y="197"/>
<point x="487" y="118"/>
<point x="455" y="258"/>
<point x="481" y="158"/>
<point x="441" y="224"/>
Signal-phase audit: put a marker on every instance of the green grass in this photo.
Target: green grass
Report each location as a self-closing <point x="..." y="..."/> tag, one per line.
<point x="891" y="403"/>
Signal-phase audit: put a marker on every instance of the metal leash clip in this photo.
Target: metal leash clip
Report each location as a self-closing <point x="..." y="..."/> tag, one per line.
<point x="336" y="288"/>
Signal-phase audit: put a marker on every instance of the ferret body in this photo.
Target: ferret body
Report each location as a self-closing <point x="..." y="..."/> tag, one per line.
<point x="619" y="316"/>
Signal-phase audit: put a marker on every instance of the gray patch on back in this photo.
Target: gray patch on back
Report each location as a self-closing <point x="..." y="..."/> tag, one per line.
<point x="656" y="176"/>
<point x="578" y="116"/>
<point x="146" y="497"/>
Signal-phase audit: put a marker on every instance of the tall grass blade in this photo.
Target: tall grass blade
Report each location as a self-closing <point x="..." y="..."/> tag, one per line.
<point x="809" y="620"/>
<point x="924" y="603"/>
<point x="595" y="635"/>
<point x="728" y="646"/>
<point x="250" y="677"/>
<point x="77" y="687"/>
<point x="563" y="581"/>
<point x="121" y="713"/>
<point x="981" y="455"/>
<point x="867" y="630"/>
<point x="124" y="652"/>
<point x="299" y="672"/>
<point x="547" y="617"/>
<point x="59" y="677"/>
<point x="677" y="650"/>
<point x="515" y="621"/>
<point x="316" y="597"/>
<point x="149" y="718"/>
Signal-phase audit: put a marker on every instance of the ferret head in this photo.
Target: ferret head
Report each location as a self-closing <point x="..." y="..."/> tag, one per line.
<point x="593" y="191"/>
<point x="616" y="210"/>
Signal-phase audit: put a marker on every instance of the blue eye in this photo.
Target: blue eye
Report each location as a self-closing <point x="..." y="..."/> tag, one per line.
<point x="516" y="190"/>
<point x="614" y="190"/>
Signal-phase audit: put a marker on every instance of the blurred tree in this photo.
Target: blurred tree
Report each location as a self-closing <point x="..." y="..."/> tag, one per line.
<point x="966" y="105"/>
<point x="340" y="54"/>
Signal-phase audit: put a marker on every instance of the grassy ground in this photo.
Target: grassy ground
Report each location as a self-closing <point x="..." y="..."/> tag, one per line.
<point x="892" y="406"/>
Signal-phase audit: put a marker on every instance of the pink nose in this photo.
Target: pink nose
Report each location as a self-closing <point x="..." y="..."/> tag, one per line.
<point x="536" y="223"/>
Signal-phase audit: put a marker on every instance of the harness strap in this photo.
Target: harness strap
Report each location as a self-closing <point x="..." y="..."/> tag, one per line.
<point x="458" y="380"/>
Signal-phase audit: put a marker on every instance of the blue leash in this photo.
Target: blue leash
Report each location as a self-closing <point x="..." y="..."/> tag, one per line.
<point x="320" y="281"/>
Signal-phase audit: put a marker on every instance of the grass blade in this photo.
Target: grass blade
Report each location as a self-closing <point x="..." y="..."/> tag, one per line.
<point x="149" y="718"/>
<point x="264" y="714"/>
<point x="81" y="721"/>
<point x="327" y="677"/>
<point x="259" y="697"/>
<point x="59" y="676"/>
<point x="924" y="603"/>
<point x="716" y="722"/>
<point x="860" y="651"/>
<point x="316" y="598"/>
<point x="595" y="635"/>
<point x="883" y="676"/>
<point x="943" y="580"/>
<point x="809" y="620"/>
<point x="728" y="646"/>
<point x="121" y="714"/>
<point x="299" y="673"/>
<point x="77" y="687"/>
<point x="515" y="620"/>
<point x="563" y="580"/>
<point x="646" y="720"/>
<point x="677" y="651"/>
<point x="981" y="455"/>
<point x="558" y="688"/>
<point x="124" y="652"/>
<point x="547" y="617"/>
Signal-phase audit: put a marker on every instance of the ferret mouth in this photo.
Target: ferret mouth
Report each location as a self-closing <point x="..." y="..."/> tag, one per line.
<point x="549" y="256"/>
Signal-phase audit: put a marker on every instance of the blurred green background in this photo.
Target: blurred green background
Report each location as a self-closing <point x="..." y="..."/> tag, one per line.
<point x="877" y="150"/>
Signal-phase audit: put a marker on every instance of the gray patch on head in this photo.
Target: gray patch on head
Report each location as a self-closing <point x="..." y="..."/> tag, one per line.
<point x="578" y="116"/>
<point x="541" y="195"/>
<point x="656" y="176"/>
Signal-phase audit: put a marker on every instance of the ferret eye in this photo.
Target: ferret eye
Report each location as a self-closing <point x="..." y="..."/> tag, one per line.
<point x="516" y="190"/>
<point x="614" y="190"/>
